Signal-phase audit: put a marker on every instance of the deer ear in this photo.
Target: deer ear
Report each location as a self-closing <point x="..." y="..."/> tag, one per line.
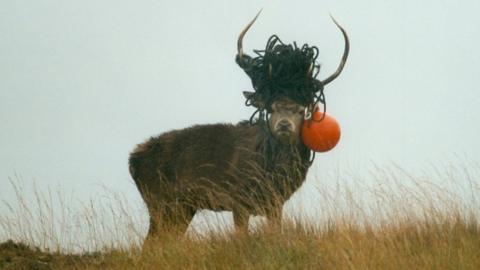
<point x="253" y="100"/>
<point x="248" y="94"/>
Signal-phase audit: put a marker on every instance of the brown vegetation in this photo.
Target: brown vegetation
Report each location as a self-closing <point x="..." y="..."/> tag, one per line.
<point x="451" y="244"/>
<point x="408" y="223"/>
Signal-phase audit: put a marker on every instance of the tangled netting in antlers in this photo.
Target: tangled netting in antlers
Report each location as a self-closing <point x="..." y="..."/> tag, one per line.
<point x="283" y="70"/>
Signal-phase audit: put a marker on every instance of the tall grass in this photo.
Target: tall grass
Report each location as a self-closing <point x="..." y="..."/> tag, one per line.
<point x="391" y="220"/>
<point x="54" y="220"/>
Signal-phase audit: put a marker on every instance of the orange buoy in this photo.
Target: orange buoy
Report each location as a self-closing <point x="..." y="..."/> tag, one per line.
<point x="320" y="136"/>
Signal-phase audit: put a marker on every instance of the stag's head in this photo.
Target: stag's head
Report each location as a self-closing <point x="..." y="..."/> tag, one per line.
<point x="285" y="118"/>
<point x="284" y="79"/>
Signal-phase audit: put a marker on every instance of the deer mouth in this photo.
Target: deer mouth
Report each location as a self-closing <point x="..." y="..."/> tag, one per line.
<point x="285" y="136"/>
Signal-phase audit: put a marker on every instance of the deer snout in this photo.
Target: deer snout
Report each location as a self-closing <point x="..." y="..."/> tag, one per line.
<point x="284" y="125"/>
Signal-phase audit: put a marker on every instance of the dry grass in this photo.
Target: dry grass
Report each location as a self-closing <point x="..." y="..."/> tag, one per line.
<point x="399" y="221"/>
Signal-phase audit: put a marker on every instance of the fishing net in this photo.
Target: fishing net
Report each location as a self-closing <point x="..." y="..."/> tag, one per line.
<point x="282" y="70"/>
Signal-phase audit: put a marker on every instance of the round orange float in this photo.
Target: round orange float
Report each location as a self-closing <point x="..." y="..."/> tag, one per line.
<point x="320" y="136"/>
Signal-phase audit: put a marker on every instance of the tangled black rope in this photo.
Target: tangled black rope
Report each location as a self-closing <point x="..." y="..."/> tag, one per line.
<point x="282" y="70"/>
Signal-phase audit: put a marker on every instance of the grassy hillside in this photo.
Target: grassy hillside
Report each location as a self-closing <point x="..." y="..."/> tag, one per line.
<point x="449" y="244"/>
<point x="406" y="223"/>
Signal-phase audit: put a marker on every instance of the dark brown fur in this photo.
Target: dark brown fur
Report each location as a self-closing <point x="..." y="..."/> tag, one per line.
<point x="241" y="168"/>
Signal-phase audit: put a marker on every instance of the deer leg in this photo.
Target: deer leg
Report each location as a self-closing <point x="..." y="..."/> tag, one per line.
<point x="169" y="219"/>
<point x="153" y="229"/>
<point x="240" y="218"/>
<point x="274" y="217"/>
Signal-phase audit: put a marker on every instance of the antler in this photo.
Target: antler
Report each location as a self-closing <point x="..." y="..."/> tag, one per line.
<point x="344" y="57"/>
<point x="242" y="34"/>
<point x="324" y="82"/>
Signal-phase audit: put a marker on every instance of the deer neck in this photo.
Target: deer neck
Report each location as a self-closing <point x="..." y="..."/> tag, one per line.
<point x="277" y="154"/>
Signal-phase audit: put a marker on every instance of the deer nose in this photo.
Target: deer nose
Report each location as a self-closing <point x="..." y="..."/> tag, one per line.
<point x="284" y="125"/>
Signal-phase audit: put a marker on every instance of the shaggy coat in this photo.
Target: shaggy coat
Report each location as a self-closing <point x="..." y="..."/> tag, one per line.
<point x="241" y="168"/>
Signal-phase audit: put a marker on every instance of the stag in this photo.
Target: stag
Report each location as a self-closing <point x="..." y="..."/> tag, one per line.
<point x="247" y="168"/>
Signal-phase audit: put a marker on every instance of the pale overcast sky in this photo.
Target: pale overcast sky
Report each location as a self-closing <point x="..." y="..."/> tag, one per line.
<point x="82" y="82"/>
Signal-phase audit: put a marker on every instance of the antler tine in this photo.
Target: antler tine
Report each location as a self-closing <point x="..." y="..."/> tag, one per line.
<point x="344" y="57"/>
<point x="242" y="34"/>
<point x="310" y="70"/>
